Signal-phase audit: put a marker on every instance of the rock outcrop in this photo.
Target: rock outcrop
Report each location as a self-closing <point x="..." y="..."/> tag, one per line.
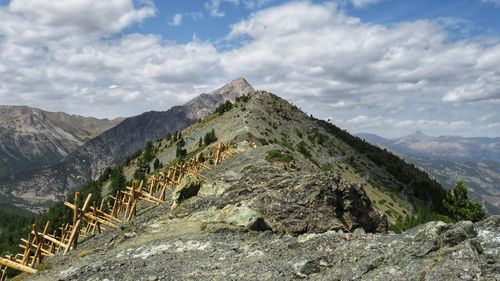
<point x="287" y="203"/>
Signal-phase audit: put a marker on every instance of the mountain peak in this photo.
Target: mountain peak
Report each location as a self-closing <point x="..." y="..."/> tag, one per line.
<point x="235" y="88"/>
<point x="417" y="135"/>
<point x="203" y="105"/>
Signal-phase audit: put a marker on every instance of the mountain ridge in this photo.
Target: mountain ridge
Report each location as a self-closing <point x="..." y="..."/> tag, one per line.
<point x="31" y="137"/>
<point x="114" y="146"/>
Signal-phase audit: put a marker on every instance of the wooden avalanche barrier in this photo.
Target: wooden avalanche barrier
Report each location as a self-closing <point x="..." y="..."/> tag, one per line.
<point x="89" y="218"/>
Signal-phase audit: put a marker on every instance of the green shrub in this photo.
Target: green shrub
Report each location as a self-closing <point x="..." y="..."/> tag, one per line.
<point x="302" y="148"/>
<point x="421" y="215"/>
<point x="327" y="167"/>
<point x="278" y="155"/>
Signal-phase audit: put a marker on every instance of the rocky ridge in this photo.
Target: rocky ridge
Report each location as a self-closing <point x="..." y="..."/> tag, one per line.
<point x="270" y="212"/>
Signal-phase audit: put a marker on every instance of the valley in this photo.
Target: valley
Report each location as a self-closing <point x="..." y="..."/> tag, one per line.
<point x="476" y="161"/>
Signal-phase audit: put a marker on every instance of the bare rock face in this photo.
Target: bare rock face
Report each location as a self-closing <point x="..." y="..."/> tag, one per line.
<point x="204" y="105"/>
<point x="31" y="138"/>
<point x="189" y="187"/>
<point x="294" y="203"/>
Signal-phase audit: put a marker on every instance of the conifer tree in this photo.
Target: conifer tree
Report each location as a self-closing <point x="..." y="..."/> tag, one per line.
<point x="459" y="207"/>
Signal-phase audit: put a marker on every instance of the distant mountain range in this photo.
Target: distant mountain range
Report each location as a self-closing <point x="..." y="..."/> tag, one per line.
<point x="476" y="161"/>
<point x="112" y="147"/>
<point x="31" y="138"/>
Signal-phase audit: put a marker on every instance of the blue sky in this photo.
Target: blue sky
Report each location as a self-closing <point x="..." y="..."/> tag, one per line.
<point x="475" y="17"/>
<point x="381" y="66"/>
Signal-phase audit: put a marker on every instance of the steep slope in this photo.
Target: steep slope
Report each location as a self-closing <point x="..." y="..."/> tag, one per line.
<point x="291" y="201"/>
<point x="31" y="138"/>
<point x="115" y="145"/>
<point x="476" y="161"/>
<point x="278" y="128"/>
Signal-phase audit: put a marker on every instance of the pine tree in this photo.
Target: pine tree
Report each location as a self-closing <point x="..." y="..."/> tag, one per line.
<point x="181" y="152"/>
<point x="459" y="207"/>
<point x="210" y="137"/>
<point x="148" y="153"/>
<point x="118" y="180"/>
<point x="200" y="143"/>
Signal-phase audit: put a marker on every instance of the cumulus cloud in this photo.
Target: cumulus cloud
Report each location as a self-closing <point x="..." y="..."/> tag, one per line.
<point x="42" y="20"/>
<point x="368" y="77"/>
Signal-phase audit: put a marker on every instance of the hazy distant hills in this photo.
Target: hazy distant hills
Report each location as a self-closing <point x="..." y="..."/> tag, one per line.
<point x="113" y="146"/>
<point x="31" y="138"/>
<point x="476" y="161"/>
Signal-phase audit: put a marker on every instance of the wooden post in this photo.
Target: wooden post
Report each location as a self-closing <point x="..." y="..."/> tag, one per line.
<point x="96" y="225"/>
<point x="218" y="155"/>
<point x="116" y="209"/>
<point x="35" y="232"/>
<point x="38" y="255"/>
<point x="27" y="251"/>
<point x="77" y="203"/>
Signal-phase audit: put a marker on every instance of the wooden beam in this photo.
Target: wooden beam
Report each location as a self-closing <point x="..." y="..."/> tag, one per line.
<point x="17" y="266"/>
<point x="55" y="241"/>
<point x="92" y="217"/>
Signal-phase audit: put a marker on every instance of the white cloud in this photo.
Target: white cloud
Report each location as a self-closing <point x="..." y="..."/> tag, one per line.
<point x="486" y="87"/>
<point x="176" y="20"/>
<point x="41" y="20"/>
<point x="386" y="78"/>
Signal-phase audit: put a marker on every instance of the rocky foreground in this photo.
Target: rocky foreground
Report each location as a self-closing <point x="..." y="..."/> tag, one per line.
<point x="243" y="227"/>
<point x="434" y="251"/>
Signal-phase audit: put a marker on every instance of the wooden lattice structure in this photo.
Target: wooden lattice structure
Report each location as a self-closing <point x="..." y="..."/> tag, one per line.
<point x="89" y="218"/>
